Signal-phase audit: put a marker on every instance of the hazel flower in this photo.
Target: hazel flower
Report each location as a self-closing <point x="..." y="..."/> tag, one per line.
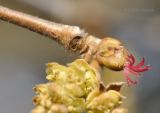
<point x="120" y="110"/>
<point x="103" y="102"/>
<point x="75" y="89"/>
<point x="136" y="70"/>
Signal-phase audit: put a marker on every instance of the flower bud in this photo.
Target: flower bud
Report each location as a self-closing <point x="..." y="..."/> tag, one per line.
<point x="111" y="53"/>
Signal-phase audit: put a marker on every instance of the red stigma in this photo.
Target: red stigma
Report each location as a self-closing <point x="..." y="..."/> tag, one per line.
<point x="136" y="70"/>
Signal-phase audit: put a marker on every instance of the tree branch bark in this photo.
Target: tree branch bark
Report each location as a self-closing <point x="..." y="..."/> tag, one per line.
<point x="106" y="52"/>
<point x="67" y="35"/>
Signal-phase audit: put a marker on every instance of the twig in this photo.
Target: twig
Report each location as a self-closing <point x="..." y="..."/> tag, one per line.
<point x="107" y="52"/>
<point x="62" y="33"/>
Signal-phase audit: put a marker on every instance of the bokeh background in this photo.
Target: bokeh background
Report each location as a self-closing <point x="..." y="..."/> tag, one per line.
<point x="23" y="54"/>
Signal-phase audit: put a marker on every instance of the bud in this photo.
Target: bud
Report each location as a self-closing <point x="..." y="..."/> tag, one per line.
<point x="111" y="53"/>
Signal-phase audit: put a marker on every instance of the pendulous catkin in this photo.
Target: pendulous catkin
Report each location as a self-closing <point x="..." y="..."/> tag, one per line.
<point x="74" y="89"/>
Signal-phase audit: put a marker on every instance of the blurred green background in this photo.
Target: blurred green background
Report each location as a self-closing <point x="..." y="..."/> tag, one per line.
<point x="23" y="54"/>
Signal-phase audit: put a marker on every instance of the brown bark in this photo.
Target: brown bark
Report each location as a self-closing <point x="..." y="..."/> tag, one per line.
<point x="69" y="36"/>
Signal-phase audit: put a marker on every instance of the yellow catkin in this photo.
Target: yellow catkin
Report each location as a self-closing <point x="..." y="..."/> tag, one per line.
<point x="73" y="89"/>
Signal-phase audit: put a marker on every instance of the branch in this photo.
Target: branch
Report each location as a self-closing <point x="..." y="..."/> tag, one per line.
<point x="62" y="33"/>
<point x="106" y="52"/>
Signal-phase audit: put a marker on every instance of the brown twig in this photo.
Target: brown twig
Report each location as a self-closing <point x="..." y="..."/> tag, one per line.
<point x="107" y="52"/>
<point x="65" y="34"/>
